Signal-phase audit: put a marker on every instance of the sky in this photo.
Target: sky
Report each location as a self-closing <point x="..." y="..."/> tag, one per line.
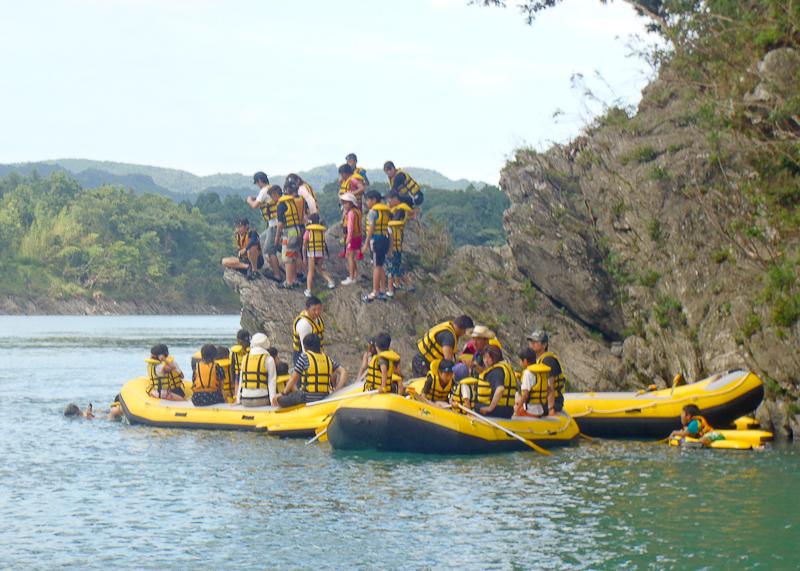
<point x="238" y="86"/>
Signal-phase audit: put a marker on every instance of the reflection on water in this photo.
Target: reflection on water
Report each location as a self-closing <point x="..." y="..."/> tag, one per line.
<point x="96" y="494"/>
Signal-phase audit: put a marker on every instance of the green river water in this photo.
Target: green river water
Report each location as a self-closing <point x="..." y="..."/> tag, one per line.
<point x="97" y="494"/>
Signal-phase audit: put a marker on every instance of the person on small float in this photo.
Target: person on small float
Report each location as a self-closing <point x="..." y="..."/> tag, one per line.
<point x="696" y="426"/>
<point x="556" y="380"/>
<point x="258" y="380"/>
<point x="314" y="377"/>
<point x="440" y="342"/>
<point x="166" y="377"/>
<point x="380" y="364"/>
<point x="497" y="385"/>
<point x="307" y="322"/>
<point x="438" y="387"/>
<point x="208" y="379"/>
<point x="248" y="248"/>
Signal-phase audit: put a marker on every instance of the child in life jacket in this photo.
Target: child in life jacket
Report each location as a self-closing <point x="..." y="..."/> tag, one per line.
<point x="696" y="426"/>
<point x="166" y="377"/>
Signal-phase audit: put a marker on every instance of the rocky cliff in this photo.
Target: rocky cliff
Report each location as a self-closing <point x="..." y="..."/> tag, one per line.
<point x="636" y="246"/>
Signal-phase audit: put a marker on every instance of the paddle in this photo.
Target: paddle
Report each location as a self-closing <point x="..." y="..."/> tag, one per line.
<point x="493" y="424"/>
<point x="319" y="434"/>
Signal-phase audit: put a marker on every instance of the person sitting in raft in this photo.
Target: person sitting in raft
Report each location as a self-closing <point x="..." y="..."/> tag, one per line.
<point x="696" y="426"/>
<point x="377" y="241"/>
<point x="281" y="367"/>
<point x="497" y="385"/>
<point x="207" y="379"/>
<point x="440" y="342"/>
<point x="248" y="248"/>
<point x="315" y="375"/>
<point x="258" y="380"/>
<point x="556" y="380"/>
<point x="166" y="378"/>
<point x="309" y="321"/>
<point x="480" y="339"/>
<point x="438" y="387"/>
<point x="534" y="387"/>
<point x="380" y="364"/>
<point x="238" y="352"/>
<point x="223" y="359"/>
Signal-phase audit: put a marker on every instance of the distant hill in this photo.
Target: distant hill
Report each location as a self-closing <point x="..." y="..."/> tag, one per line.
<point x="179" y="184"/>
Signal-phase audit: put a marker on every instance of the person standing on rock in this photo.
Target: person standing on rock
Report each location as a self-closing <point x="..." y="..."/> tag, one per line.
<point x="404" y="185"/>
<point x="309" y="321"/>
<point x="440" y="342"/>
<point x="305" y="192"/>
<point x="396" y="273"/>
<point x="352" y="183"/>
<point x="351" y="227"/>
<point x="377" y="241"/>
<point x="556" y="380"/>
<point x="267" y="202"/>
<point x="289" y="234"/>
<point x="352" y="160"/>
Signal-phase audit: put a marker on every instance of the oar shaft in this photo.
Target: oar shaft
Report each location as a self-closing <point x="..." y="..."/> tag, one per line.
<point x="528" y="443"/>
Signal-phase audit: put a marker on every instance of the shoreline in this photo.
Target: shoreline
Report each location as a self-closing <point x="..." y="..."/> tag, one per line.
<point x="15" y="305"/>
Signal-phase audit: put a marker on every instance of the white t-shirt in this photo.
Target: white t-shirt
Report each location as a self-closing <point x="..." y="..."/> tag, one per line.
<point x="272" y="378"/>
<point x="528" y="382"/>
<point x="310" y="202"/>
<point x="263" y="198"/>
<point x="303" y="328"/>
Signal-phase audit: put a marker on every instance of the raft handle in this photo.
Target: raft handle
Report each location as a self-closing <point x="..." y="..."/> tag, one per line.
<point x="630" y="410"/>
<point x="180" y="414"/>
<point x="248" y="417"/>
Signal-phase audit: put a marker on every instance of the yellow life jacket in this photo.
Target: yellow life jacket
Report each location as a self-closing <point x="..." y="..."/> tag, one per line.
<point x="254" y="372"/>
<point x="205" y="378"/>
<point x="357" y="226"/>
<point x="294" y="217"/>
<point x="485" y="392"/>
<point x="237" y="352"/>
<point x="456" y="396"/>
<point x="269" y="211"/>
<point x="317" y="378"/>
<point x="168" y="381"/>
<point x="381" y="224"/>
<point x="397" y="227"/>
<point x="561" y="380"/>
<point x="316" y="239"/>
<point x="241" y="240"/>
<point x="438" y="391"/>
<point x="410" y="186"/>
<point x="228" y="380"/>
<point x="404" y="207"/>
<point x="373" y="378"/>
<point x="538" y="392"/>
<point x="344" y="186"/>
<point x="429" y="347"/>
<point x="317" y="326"/>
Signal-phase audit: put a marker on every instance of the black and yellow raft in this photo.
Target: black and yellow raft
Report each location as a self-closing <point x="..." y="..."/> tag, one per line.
<point x="722" y="398"/>
<point x="141" y="408"/>
<point x="388" y="422"/>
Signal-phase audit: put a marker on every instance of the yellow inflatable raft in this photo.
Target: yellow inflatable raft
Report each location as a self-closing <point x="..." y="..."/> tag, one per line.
<point x="733" y="440"/>
<point x="722" y="398"/>
<point x="389" y="422"/>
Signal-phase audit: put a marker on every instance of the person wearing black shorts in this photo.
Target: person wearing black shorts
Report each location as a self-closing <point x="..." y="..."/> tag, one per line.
<point x="378" y="241"/>
<point x="249" y="258"/>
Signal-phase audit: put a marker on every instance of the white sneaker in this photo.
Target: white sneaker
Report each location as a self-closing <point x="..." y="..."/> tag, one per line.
<point x="307" y="293"/>
<point x="348" y="281"/>
<point x="331" y="285"/>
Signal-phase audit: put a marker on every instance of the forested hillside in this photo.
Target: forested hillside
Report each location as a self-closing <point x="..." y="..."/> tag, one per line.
<point x="59" y="241"/>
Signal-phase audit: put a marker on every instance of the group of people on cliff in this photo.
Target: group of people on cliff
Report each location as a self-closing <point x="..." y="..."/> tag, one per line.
<point x="292" y="246"/>
<point x="476" y="376"/>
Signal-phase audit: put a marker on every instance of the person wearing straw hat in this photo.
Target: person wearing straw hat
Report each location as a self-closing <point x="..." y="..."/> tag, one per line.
<point x="258" y="378"/>
<point x="351" y="226"/>
<point x="556" y="380"/>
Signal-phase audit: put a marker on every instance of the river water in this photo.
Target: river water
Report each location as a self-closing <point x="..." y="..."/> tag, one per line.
<point x="92" y="494"/>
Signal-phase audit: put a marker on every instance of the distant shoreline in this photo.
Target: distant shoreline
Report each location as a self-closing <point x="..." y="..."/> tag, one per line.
<point x="16" y="305"/>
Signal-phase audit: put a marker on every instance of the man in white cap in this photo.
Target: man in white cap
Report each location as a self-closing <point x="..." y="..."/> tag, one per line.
<point x="351" y="226"/>
<point x="258" y="377"/>
<point x="556" y="380"/>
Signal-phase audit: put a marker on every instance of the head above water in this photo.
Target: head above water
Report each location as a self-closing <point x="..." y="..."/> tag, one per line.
<point x="72" y="409"/>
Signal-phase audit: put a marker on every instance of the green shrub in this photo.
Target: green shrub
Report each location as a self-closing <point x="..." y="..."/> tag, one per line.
<point x="650" y="278"/>
<point x="751" y="325"/>
<point x="639" y="155"/>
<point x="720" y="256"/>
<point x="655" y="231"/>
<point x="667" y="311"/>
<point x="659" y="174"/>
